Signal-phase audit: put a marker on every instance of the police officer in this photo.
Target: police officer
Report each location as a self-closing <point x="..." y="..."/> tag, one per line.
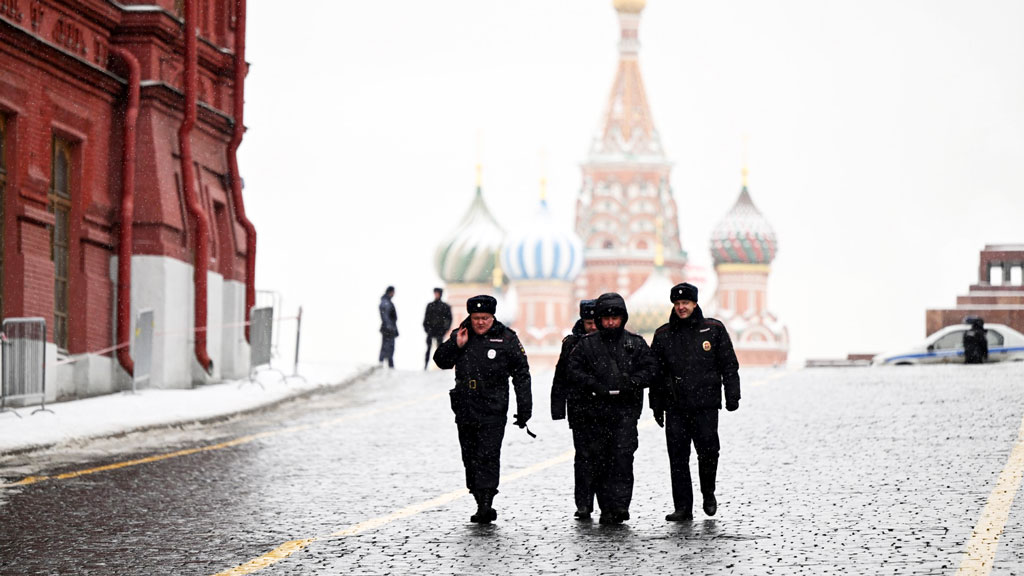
<point x="696" y="360"/>
<point x="612" y="366"/>
<point x="564" y="400"/>
<point x="975" y="342"/>
<point x="485" y="355"/>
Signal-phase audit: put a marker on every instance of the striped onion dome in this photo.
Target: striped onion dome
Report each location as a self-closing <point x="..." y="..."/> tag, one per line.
<point x="744" y="236"/>
<point x="469" y="254"/>
<point x="650" y="305"/>
<point x="542" y="250"/>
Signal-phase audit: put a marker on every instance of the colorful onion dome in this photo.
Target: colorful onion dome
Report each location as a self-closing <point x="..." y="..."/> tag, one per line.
<point x="470" y="253"/>
<point x="542" y="250"/>
<point x="649" y="305"/>
<point x="631" y="6"/>
<point x="744" y="236"/>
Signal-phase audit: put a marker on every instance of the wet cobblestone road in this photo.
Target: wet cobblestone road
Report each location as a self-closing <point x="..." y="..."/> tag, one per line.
<point x="823" y="471"/>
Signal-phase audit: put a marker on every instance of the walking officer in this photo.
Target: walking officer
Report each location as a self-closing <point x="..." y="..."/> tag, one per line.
<point x="612" y="366"/>
<point x="485" y="354"/>
<point x="564" y="399"/>
<point x="697" y="361"/>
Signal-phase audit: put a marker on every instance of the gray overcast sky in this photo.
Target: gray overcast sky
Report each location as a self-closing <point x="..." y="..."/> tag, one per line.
<point x="885" y="140"/>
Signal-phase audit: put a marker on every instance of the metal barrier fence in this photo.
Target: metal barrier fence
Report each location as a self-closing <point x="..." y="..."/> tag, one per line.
<point x="24" y="362"/>
<point x="143" y="349"/>
<point x="272" y="299"/>
<point x="261" y="334"/>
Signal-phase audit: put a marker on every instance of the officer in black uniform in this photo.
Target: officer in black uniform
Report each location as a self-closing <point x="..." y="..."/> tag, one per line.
<point x="975" y="342"/>
<point x="696" y="359"/>
<point x="612" y="366"/>
<point x="564" y="400"/>
<point x="485" y="355"/>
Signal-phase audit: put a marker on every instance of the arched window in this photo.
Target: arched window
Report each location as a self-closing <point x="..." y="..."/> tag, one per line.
<point x="3" y="185"/>
<point x="59" y="197"/>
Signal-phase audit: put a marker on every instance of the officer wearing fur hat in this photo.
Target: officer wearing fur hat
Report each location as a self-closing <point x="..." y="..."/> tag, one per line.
<point x="485" y="354"/>
<point x="697" y="361"/>
<point x="611" y="367"/>
<point x="564" y="400"/>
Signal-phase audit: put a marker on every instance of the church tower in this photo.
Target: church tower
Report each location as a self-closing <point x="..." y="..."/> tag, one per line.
<point x="626" y="184"/>
<point x="743" y="246"/>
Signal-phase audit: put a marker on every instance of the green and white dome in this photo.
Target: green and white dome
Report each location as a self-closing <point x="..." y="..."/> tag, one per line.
<point x="470" y="254"/>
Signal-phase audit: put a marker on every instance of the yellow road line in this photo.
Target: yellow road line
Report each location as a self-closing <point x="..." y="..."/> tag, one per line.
<point x="228" y="444"/>
<point x="289" y="548"/>
<point x="981" y="548"/>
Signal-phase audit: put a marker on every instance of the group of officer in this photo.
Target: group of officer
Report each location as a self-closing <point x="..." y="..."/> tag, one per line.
<point x="598" y="385"/>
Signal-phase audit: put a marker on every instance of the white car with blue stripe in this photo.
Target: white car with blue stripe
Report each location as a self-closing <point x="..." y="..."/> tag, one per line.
<point x="946" y="346"/>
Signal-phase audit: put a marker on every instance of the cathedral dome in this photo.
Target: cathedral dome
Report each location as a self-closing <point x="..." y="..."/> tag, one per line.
<point x="744" y="236"/>
<point x="470" y="253"/>
<point x="542" y="250"/>
<point x="649" y="306"/>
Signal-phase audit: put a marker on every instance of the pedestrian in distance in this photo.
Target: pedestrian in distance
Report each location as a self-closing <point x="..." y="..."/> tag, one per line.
<point x="696" y="361"/>
<point x="388" y="327"/>
<point x="612" y="366"/>
<point x="566" y="401"/>
<point x="437" y="321"/>
<point x="485" y="354"/>
<point x="976" y="342"/>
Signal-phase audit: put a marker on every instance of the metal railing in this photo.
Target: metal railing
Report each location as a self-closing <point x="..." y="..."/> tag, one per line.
<point x="24" y="363"/>
<point x="261" y="335"/>
<point x="142" y="352"/>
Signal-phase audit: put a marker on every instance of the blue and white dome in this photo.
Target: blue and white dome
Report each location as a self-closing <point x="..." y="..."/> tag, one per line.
<point x="542" y="250"/>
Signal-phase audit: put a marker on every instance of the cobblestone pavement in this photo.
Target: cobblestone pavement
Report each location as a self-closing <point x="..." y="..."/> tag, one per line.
<point x="823" y="471"/>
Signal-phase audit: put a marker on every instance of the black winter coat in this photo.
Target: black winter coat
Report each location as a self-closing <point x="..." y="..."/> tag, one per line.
<point x="388" y="317"/>
<point x="697" y="360"/>
<point x="563" y="395"/>
<point x="482" y="369"/>
<point x="592" y="377"/>
<point x="437" y="320"/>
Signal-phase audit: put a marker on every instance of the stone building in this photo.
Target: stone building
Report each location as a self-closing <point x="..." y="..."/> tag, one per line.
<point x="998" y="296"/>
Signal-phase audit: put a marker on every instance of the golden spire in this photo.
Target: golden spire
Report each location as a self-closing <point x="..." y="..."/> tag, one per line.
<point x="745" y="171"/>
<point x="496" y="275"/>
<point x="479" y="158"/>
<point x="543" y="178"/>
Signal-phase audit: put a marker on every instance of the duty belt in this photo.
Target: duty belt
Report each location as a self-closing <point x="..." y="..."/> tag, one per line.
<point x="472" y="383"/>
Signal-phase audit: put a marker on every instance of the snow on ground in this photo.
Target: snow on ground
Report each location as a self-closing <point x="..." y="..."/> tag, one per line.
<point x="123" y="412"/>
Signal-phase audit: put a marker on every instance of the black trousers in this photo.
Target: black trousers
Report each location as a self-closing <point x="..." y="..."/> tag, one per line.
<point x="481" y="455"/>
<point x="430" y="342"/>
<point x="701" y="428"/>
<point x="583" y="468"/>
<point x="387" y="349"/>
<point x="608" y="443"/>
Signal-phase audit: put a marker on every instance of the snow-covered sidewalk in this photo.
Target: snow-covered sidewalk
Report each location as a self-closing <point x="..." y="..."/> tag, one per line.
<point x="114" y="414"/>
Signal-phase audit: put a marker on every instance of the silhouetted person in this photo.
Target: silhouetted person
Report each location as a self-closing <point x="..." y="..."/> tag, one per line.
<point x="388" y="327"/>
<point x="976" y="342"/>
<point x="437" y="320"/>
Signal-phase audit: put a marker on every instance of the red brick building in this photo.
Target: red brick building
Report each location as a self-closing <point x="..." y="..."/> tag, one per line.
<point x="998" y="297"/>
<point x="118" y="174"/>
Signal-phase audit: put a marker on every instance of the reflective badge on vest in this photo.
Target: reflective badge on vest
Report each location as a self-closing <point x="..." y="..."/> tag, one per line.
<point x="491" y="353"/>
<point x="707" y="346"/>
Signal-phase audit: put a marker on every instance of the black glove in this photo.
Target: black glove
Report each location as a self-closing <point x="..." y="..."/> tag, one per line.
<point x="732" y="405"/>
<point x="659" y="417"/>
<point x="521" y="420"/>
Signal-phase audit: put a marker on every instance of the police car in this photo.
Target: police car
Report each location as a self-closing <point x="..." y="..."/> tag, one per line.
<point x="947" y="347"/>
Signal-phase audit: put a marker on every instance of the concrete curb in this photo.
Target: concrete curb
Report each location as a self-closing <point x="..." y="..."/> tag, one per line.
<point x="268" y="405"/>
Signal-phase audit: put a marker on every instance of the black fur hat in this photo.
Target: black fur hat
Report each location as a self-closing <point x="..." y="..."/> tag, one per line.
<point x="684" y="291"/>
<point x="481" y="303"/>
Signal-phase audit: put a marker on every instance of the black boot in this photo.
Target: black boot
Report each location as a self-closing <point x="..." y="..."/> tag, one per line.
<point x="708" y="469"/>
<point x="485" y="514"/>
<point x="680" y="516"/>
<point x="582" y="513"/>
